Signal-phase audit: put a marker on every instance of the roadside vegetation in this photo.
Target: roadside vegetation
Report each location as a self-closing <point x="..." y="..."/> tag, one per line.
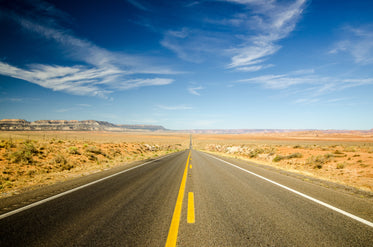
<point x="342" y="161"/>
<point x="27" y="163"/>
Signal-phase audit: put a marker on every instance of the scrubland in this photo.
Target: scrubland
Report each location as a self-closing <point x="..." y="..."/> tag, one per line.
<point x="344" y="159"/>
<point x="32" y="159"/>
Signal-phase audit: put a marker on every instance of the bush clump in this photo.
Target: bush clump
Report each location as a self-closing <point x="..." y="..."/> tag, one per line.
<point x="74" y="150"/>
<point x="24" y="155"/>
<point x="61" y="162"/>
<point x="278" y="158"/>
<point x="290" y="156"/>
<point x="341" y="165"/>
<point x="317" y="161"/>
<point x="95" y="150"/>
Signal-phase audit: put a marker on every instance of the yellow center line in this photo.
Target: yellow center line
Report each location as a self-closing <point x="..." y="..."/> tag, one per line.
<point x="191" y="218"/>
<point x="175" y="222"/>
<point x="190" y="166"/>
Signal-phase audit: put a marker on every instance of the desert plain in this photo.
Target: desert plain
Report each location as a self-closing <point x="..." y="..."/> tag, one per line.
<point x="30" y="159"/>
<point x="344" y="158"/>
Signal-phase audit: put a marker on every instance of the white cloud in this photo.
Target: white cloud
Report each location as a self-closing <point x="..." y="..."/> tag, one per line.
<point x="254" y="34"/>
<point x="103" y="70"/>
<point x="254" y="68"/>
<point x="278" y="81"/>
<point x="193" y="45"/>
<point x="358" y="43"/>
<point x="307" y="101"/>
<point x="309" y="86"/>
<point x="138" y="5"/>
<point x="79" y="80"/>
<point x="175" y="108"/>
<point x="144" y="82"/>
<point x="194" y="90"/>
<point x="13" y="100"/>
<point x="324" y="84"/>
<point x="272" y="21"/>
<point x="252" y="54"/>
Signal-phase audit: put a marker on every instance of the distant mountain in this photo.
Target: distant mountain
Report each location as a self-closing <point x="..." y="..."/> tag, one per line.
<point x="73" y="125"/>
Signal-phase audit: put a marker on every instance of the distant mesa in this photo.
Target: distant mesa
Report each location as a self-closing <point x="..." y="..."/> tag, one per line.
<point x="72" y="125"/>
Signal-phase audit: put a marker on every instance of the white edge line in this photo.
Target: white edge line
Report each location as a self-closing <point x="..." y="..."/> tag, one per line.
<point x="368" y="223"/>
<point x="72" y="190"/>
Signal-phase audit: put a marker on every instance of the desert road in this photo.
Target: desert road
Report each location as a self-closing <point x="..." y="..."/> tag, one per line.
<point x="192" y="198"/>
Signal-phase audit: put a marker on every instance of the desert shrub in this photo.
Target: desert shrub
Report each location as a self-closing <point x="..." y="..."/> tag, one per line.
<point x="24" y="155"/>
<point x="7" y="144"/>
<point x="349" y="149"/>
<point x="317" y="161"/>
<point x="31" y="173"/>
<point x="338" y="152"/>
<point x="318" y="166"/>
<point x="59" y="161"/>
<point x="290" y="156"/>
<point x="115" y="152"/>
<point x="328" y="156"/>
<point x="341" y="165"/>
<point x="255" y="152"/>
<point x="278" y="158"/>
<point x="74" y="150"/>
<point x="95" y="150"/>
<point x="91" y="157"/>
<point x="294" y="155"/>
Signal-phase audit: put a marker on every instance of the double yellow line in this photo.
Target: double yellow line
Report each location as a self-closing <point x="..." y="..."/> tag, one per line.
<point x="175" y="222"/>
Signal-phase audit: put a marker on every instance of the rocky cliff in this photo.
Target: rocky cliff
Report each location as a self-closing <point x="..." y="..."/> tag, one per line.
<point x="86" y="125"/>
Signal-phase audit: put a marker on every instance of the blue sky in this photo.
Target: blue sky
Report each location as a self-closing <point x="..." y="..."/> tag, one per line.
<point x="214" y="64"/>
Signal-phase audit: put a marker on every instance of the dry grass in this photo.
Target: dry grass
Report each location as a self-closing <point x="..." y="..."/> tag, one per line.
<point x="345" y="159"/>
<point x="29" y="159"/>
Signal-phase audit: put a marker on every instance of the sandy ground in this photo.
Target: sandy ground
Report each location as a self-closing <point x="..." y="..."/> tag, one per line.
<point x="31" y="159"/>
<point x="343" y="158"/>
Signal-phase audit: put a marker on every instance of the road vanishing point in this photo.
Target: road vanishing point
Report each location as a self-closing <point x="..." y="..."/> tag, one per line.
<point x="189" y="198"/>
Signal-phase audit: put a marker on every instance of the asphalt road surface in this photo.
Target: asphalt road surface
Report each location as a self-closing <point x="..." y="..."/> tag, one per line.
<point x="194" y="199"/>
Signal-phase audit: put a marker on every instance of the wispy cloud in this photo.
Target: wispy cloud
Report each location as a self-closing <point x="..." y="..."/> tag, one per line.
<point x="13" y="100"/>
<point x="144" y="82"/>
<point x="175" y="108"/>
<point x="272" y="22"/>
<point x="194" y="90"/>
<point x="308" y="86"/>
<point x="278" y="81"/>
<point x="138" y="5"/>
<point x="77" y="80"/>
<point x="358" y="43"/>
<point x="254" y="68"/>
<point x="193" y="45"/>
<point x="307" y="101"/>
<point x="77" y="107"/>
<point x="253" y="35"/>
<point x="325" y="83"/>
<point x="98" y="71"/>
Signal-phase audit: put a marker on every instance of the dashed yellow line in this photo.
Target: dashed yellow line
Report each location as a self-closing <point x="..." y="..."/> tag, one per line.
<point x="175" y="222"/>
<point x="191" y="217"/>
